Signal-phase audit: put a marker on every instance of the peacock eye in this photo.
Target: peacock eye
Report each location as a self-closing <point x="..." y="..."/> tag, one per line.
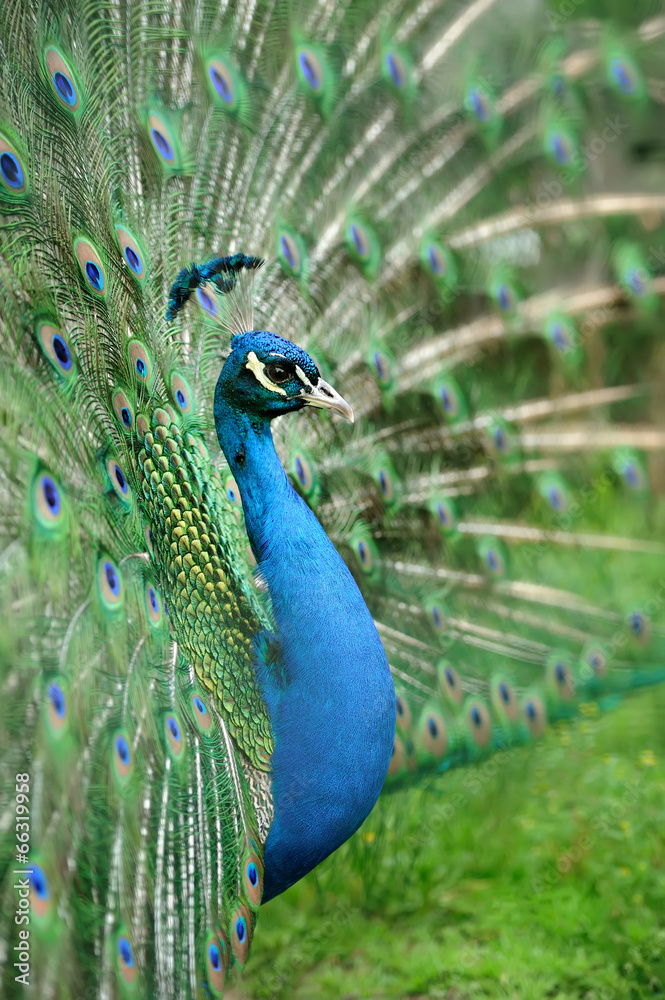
<point x="278" y="372"/>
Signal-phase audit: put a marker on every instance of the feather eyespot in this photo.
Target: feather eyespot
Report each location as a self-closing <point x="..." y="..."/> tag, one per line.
<point x="253" y="880"/>
<point x="201" y="713"/>
<point x="56" y="348"/>
<point x="123" y="759"/>
<point x="217" y="962"/>
<point x="504" y="700"/>
<point x="479" y="105"/>
<point x="395" y="69"/>
<point x="559" y="146"/>
<point x="62" y="80"/>
<point x="132" y="253"/>
<point x="639" y="626"/>
<point x="493" y="555"/>
<point x="434" y="734"/>
<point x="402" y="713"/>
<point x="310" y="69"/>
<point x="149" y="540"/>
<point x="153" y="605"/>
<point x="57" y="711"/>
<point x="91" y="266"/>
<point x="595" y="661"/>
<point x="450" y="684"/>
<point x="386" y="485"/>
<point x="623" y="76"/>
<point x="446" y="515"/>
<point x="562" y="335"/>
<point x="181" y="394"/>
<point x="382" y="368"/>
<point x="126" y="960"/>
<point x="118" y="480"/>
<point x="232" y="492"/>
<point x="364" y="555"/>
<point x="207" y="302"/>
<point x="40" y="891"/>
<point x="12" y="170"/>
<point x="437" y="616"/>
<point x="289" y="251"/>
<point x="241" y="934"/>
<point x="559" y="675"/>
<point x="222" y="82"/>
<point x="47" y="501"/>
<point x="359" y="240"/>
<point x="478" y="722"/>
<point x="534" y="715"/>
<point x="174" y="735"/>
<point x="450" y="398"/>
<point x="140" y="361"/>
<point x="396" y="757"/>
<point x="109" y="584"/>
<point x="123" y="410"/>
<point x="302" y="470"/>
<point x="435" y="260"/>
<point x="162" y="140"/>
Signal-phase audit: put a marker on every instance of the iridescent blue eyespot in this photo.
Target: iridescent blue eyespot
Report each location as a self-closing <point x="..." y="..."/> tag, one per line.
<point x="241" y="929"/>
<point x="57" y="700"/>
<point x="51" y="495"/>
<point x="450" y="677"/>
<point x="122" y="749"/>
<point x="252" y="873"/>
<point x="174" y="728"/>
<point x="288" y="252"/>
<point x="65" y="88"/>
<point x="360" y="240"/>
<point x="120" y="479"/>
<point x="125" y="951"/>
<point x="505" y="298"/>
<point x="221" y="85"/>
<point x="133" y="260"/>
<point x="504" y="693"/>
<point x="432" y="728"/>
<point x="39" y="882"/>
<point x="11" y="170"/>
<point x="214" y="957"/>
<point x="62" y="352"/>
<point x="560" y="147"/>
<point x="310" y="69"/>
<point x="396" y="70"/>
<point x="635" y="279"/>
<point x="95" y="276"/>
<point x="623" y="76"/>
<point x="199" y="706"/>
<point x="112" y="578"/>
<point x="162" y="144"/>
<point x="478" y="104"/>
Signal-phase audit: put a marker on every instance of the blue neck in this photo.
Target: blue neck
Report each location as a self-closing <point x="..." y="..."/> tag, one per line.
<point x="330" y="696"/>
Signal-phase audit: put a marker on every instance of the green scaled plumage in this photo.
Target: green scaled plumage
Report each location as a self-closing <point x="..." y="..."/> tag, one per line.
<point x="462" y="217"/>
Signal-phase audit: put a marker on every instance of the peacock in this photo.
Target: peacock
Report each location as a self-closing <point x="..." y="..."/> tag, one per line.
<point x="331" y="407"/>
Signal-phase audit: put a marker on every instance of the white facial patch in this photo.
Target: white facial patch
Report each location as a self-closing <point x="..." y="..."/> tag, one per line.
<point x="303" y="378"/>
<point x="257" y="368"/>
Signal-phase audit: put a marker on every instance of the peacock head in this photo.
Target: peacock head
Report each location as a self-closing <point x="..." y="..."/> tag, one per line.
<point x="265" y="376"/>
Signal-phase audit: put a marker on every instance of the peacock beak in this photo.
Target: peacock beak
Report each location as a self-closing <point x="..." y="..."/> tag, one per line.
<point x="325" y="397"/>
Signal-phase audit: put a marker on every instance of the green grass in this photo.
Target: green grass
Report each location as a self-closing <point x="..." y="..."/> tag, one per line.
<point x="539" y="874"/>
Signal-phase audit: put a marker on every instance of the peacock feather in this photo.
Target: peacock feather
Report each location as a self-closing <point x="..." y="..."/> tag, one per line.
<point x="225" y="624"/>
